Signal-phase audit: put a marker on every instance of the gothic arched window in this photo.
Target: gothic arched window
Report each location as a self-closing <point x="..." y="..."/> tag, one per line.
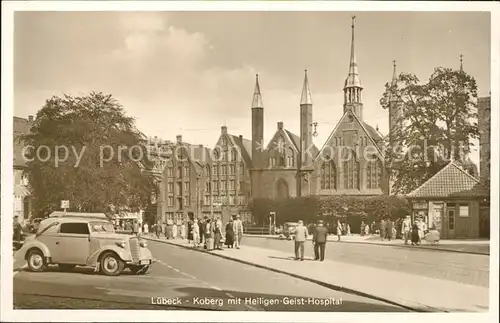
<point x="328" y="175"/>
<point x="290" y="158"/>
<point x="373" y="173"/>
<point x="350" y="169"/>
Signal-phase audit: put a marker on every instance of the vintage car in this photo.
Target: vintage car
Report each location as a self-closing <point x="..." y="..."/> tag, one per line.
<point x="85" y="239"/>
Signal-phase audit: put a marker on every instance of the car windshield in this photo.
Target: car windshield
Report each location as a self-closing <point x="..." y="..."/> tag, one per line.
<point x="102" y="227"/>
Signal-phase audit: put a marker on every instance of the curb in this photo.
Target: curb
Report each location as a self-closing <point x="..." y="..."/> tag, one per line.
<point x="318" y="282"/>
<point x="431" y="248"/>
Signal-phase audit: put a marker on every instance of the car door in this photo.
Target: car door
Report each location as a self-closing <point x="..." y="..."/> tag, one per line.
<point x="73" y="243"/>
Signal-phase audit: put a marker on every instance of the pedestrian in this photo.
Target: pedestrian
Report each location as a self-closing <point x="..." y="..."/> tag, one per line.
<point x="388" y="229"/>
<point x="339" y="230"/>
<point x="209" y="235"/>
<point x="348" y="229"/>
<point x="344" y="229"/>
<point x="362" y="228"/>
<point x="190" y="231"/>
<point x="195" y="234"/>
<point x="406" y="228"/>
<point x="415" y="239"/>
<point x="367" y="230"/>
<point x="320" y="235"/>
<point x="382" y="229"/>
<point x="229" y="234"/>
<point x="217" y="227"/>
<point x="164" y="229"/>
<point x="146" y="228"/>
<point x="183" y="231"/>
<point x="373" y="228"/>
<point x="301" y="235"/>
<point x="201" y="224"/>
<point x="238" y="231"/>
<point x="174" y="231"/>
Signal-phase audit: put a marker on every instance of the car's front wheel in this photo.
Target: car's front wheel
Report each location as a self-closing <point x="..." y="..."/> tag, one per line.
<point x="139" y="270"/>
<point x="36" y="261"/>
<point x="111" y="264"/>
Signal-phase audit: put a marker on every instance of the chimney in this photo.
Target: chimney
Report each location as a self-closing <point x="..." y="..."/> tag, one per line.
<point x="223" y="130"/>
<point x="179" y="139"/>
<point x="30" y="118"/>
<point x="241" y="138"/>
<point x="280" y="125"/>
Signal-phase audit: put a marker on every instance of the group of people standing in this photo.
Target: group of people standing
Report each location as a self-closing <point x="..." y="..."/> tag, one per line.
<point x="172" y="231"/>
<point x="209" y="234"/>
<point x="320" y="233"/>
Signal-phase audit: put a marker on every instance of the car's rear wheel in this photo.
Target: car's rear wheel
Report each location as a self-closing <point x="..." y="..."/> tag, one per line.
<point x="66" y="267"/>
<point x="139" y="270"/>
<point x="111" y="264"/>
<point x="36" y="261"/>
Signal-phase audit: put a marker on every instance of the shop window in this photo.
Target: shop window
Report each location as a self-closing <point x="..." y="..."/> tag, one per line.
<point x="464" y="210"/>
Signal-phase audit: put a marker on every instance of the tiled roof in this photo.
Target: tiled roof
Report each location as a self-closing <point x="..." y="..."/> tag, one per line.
<point x="451" y="181"/>
<point x="296" y="141"/>
<point x="21" y="127"/>
<point x="245" y="146"/>
<point x="372" y="132"/>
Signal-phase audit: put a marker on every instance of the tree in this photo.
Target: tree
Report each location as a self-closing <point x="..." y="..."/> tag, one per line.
<point x="86" y="150"/>
<point x="438" y="120"/>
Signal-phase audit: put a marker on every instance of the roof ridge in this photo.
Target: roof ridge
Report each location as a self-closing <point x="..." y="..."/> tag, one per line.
<point x="429" y="179"/>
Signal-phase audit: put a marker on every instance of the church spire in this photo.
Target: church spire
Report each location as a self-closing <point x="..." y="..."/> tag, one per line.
<point x="353" y="77"/>
<point x="306" y="92"/>
<point x="394" y="81"/>
<point x="257" y="97"/>
<point x="352" y="86"/>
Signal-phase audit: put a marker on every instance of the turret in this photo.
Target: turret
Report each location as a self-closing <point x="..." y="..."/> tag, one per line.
<point x="305" y="125"/>
<point x="257" y="126"/>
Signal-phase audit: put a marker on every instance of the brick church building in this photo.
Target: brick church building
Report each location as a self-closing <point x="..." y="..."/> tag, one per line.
<point x="349" y="163"/>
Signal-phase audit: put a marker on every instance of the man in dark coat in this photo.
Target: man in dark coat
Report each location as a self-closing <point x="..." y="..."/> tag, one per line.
<point x="388" y="229"/>
<point x="319" y="240"/>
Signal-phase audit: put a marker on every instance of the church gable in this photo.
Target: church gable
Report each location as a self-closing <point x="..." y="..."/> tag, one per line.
<point x="351" y="133"/>
<point x="282" y="150"/>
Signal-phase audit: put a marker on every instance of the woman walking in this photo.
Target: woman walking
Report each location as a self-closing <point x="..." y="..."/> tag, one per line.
<point x="195" y="233"/>
<point x="339" y="230"/>
<point x="229" y="234"/>
<point x="217" y="234"/>
<point x="209" y="235"/>
<point x="415" y="238"/>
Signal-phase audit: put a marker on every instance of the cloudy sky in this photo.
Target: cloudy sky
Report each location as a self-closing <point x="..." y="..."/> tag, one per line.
<point x="191" y="72"/>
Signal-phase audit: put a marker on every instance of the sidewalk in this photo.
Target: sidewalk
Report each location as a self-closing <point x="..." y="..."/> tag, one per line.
<point x="481" y="247"/>
<point x="410" y="291"/>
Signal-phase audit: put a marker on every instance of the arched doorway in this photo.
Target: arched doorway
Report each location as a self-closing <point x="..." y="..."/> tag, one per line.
<point x="282" y="189"/>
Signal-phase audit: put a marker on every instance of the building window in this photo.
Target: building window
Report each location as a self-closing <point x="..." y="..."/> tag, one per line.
<point x="373" y="172"/>
<point x="169" y="216"/>
<point x="179" y="217"/>
<point x="186" y="171"/>
<point x="224" y="156"/>
<point x="231" y="199"/>
<point x="206" y="200"/>
<point x="170" y="201"/>
<point x="328" y="175"/>
<point x="289" y="158"/>
<point x="207" y="171"/>
<point x="232" y="169"/>
<point x="234" y="154"/>
<point x="282" y="160"/>
<point x="224" y="185"/>
<point x="464" y="210"/>
<point x="179" y="188"/>
<point x="242" y="169"/>
<point x="179" y="171"/>
<point x="170" y="172"/>
<point x="216" y="154"/>
<point x="223" y="169"/>
<point x="232" y="185"/>
<point x="186" y="200"/>
<point x="179" y="202"/>
<point x="170" y="187"/>
<point x="224" y="141"/>
<point x="207" y="186"/>
<point x="215" y="185"/>
<point x="351" y="170"/>
<point x="186" y="187"/>
<point x="241" y="200"/>
<point x="451" y="216"/>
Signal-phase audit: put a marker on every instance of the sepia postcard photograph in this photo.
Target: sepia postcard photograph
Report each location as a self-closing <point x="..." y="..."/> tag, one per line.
<point x="261" y="161"/>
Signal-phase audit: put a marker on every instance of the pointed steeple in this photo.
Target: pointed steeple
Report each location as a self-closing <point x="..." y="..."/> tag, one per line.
<point x="257" y="97"/>
<point x="306" y="92"/>
<point x="353" y="77"/>
<point x="394" y="81"/>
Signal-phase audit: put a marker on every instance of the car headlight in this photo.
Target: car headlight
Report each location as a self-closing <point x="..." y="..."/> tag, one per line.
<point x="121" y="244"/>
<point x="143" y="244"/>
